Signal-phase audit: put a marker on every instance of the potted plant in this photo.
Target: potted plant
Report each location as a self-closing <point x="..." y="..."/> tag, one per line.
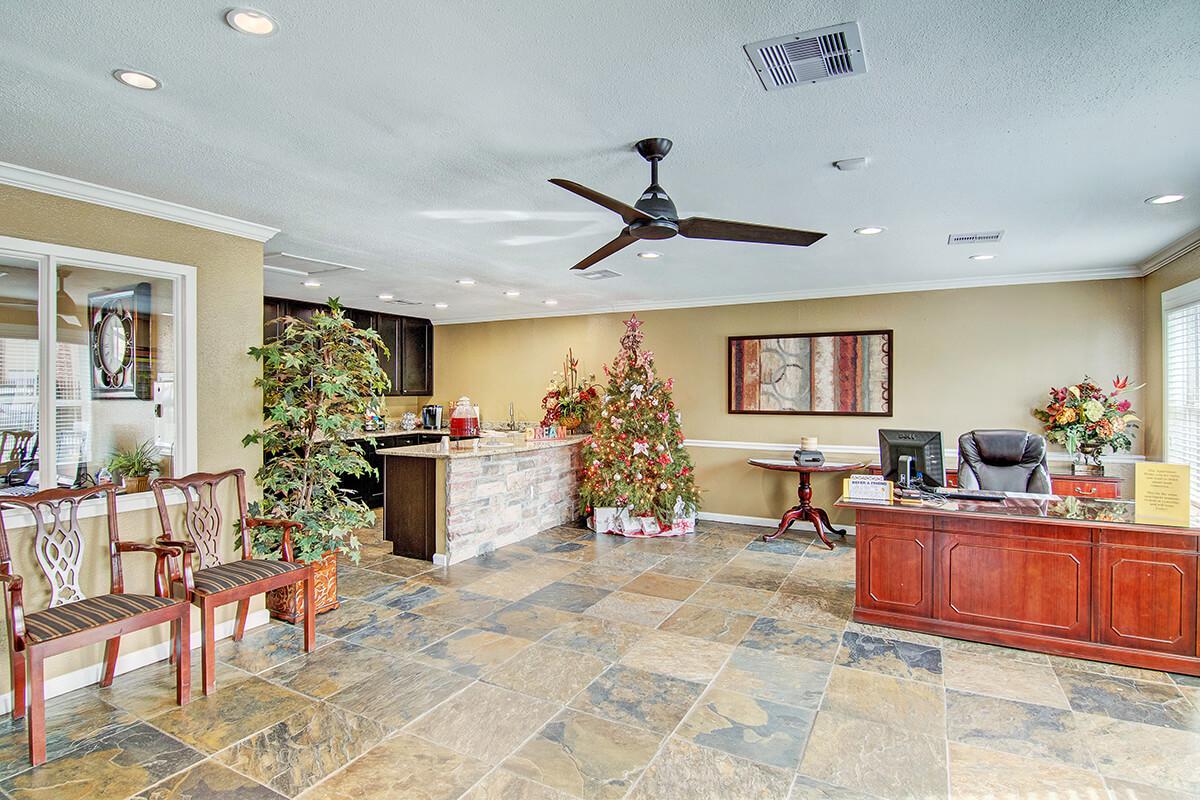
<point x="135" y="466"/>
<point x="569" y="401"/>
<point x="320" y="378"/>
<point x="1085" y="419"/>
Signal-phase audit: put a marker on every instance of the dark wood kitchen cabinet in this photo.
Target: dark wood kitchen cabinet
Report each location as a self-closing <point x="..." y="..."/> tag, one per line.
<point x="409" y="340"/>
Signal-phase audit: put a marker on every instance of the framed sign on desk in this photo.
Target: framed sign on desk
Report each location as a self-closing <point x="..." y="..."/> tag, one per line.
<point x="844" y="373"/>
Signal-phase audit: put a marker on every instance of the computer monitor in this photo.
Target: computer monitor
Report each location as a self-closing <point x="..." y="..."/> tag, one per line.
<point x="925" y="449"/>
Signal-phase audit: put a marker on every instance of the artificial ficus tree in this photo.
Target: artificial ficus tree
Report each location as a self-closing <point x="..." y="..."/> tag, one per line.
<point x="320" y="377"/>
<point x="635" y="458"/>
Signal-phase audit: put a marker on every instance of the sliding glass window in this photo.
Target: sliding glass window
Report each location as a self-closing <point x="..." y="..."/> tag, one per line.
<point x="115" y="334"/>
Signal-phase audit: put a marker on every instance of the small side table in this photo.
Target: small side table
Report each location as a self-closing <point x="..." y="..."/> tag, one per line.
<point x="805" y="509"/>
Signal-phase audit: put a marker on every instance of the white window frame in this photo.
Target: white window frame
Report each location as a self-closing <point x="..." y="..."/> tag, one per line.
<point x="48" y="257"/>
<point x="1183" y="295"/>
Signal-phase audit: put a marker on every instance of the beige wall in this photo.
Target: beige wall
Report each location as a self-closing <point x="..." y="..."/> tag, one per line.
<point x="1174" y="274"/>
<point x="964" y="359"/>
<point x="229" y="302"/>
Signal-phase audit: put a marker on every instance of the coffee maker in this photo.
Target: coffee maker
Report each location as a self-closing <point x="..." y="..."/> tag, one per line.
<point x="431" y="418"/>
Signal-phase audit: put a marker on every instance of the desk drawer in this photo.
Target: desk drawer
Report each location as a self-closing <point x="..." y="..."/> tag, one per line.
<point x="1070" y="486"/>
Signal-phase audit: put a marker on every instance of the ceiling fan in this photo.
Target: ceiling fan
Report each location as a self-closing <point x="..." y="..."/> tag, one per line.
<point x="654" y="216"/>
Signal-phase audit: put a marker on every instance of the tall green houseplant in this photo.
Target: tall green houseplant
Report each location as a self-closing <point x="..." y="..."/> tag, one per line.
<point x="319" y="379"/>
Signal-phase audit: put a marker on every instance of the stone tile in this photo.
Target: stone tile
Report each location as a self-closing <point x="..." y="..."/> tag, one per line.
<point x="1128" y="790"/>
<point x="995" y="652"/>
<point x="678" y="656"/>
<point x="826" y="604"/>
<point x="759" y="730"/>
<point x="878" y="631"/>
<point x="150" y="690"/>
<point x="513" y="584"/>
<point x="918" y="707"/>
<point x="655" y="545"/>
<point x="604" y="576"/>
<point x="352" y="615"/>
<point x="976" y="772"/>
<point x="787" y="679"/>
<point x="456" y="576"/>
<point x="525" y="621"/>
<point x="811" y="571"/>
<point x="407" y="595"/>
<point x="484" y="722"/>
<point x="684" y="770"/>
<point x="400" y="567"/>
<point x="792" y="543"/>
<point x="630" y="560"/>
<point x="357" y="582"/>
<point x="684" y="565"/>
<point x="402" y="634"/>
<point x="713" y="624"/>
<point x="208" y="780"/>
<point x="1161" y="757"/>
<point x="471" y="652"/>
<point x="1022" y="729"/>
<point x="1185" y="680"/>
<point x="603" y="638"/>
<point x="792" y="638"/>
<point x="732" y="598"/>
<point x="461" y="606"/>
<point x="503" y="785"/>
<point x="495" y="559"/>
<point x="806" y="788"/>
<point x="330" y="669"/>
<point x="403" y="767"/>
<point x="577" y="552"/>
<point x="118" y="764"/>
<point x="70" y="720"/>
<point x="868" y="757"/>
<point x="1134" y="701"/>
<point x="213" y="723"/>
<point x="639" y="698"/>
<point x="567" y="597"/>
<point x="265" y="647"/>
<point x="585" y="756"/>
<point x="737" y="573"/>
<point x="297" y="752"/>
<point x="891" y="657"/>
<point x="1116" y="670"/>
<point x="398" y="696"/>
<point x="666" y="586"/>
<point x="548" y="672"/>
<point x="1002" y="677"/>
<point x="636" y="609"/>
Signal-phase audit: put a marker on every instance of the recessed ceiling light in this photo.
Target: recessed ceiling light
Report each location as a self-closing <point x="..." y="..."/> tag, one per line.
<point x="251" y="22"/>
<point x="982" y="257"/>
<point x="870" y="230"/>
<point x="550" y="302"/>
<point x="512" y="293"/>
<point x="387" y="297"/>
<point x="136" y="79"/>
<point x="1163" y="199"/>
<point x="465" y="281"/>
<point x="441" y="305"/>
<point x="649" y="254"/>
<point x="312" y="284"/>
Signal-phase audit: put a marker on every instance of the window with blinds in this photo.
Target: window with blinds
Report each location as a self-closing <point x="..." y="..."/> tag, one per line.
<point x="1181" y="345"/>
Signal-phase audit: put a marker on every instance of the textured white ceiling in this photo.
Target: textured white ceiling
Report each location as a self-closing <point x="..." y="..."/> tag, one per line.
<point x="415" y="139"/>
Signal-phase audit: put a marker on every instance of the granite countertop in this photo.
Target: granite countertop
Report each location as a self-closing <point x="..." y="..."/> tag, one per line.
<point x="478" y="448"/>
<point x="397" y="431"/>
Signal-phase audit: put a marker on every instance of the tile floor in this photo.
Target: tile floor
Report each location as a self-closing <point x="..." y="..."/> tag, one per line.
<point x="576" y="666"/>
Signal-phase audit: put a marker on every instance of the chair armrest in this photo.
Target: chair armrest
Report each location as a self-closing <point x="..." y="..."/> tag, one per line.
<point x="16" y="607"/>
<point x="186" y="547"/>
<point x="182" y="573"/>
<point x="285" y="546"/>
<point x="162" y="552"/>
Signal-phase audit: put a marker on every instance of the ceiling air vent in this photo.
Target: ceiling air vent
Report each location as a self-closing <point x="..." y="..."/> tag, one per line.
<point x="974" y="238"/>
<point x="819" y="55"/>
<point x="598" y="274"/>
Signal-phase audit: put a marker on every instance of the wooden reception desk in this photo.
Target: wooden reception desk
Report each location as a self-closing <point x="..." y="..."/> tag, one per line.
<point x="1068" y="576"/>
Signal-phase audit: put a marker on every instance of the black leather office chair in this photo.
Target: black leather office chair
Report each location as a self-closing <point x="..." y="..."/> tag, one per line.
<point x="1003" y="461"/>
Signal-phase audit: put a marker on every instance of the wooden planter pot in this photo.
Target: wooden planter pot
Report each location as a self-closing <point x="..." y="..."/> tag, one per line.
<point x="287" y="603"/>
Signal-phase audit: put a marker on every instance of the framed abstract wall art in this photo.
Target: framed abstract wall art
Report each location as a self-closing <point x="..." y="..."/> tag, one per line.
<point x="845" y="373"/>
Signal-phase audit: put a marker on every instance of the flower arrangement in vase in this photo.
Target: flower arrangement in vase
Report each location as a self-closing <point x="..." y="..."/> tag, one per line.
<point x="569" y="401"/>
<point x="1085" y="419"/>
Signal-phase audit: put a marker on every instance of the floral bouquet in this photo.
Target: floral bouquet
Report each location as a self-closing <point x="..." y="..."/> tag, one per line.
<point x="1085" y="419"/>
<point x="569" y="401"/>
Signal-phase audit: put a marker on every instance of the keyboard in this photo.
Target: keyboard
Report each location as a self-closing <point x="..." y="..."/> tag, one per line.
<point x="981" y="495"/>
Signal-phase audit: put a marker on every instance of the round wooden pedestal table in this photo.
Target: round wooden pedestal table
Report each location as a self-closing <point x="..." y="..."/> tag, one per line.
<point x="805" y="509"/>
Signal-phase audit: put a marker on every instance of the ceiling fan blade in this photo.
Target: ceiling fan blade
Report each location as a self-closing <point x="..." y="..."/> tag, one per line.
<point x="627" y="212"/>
<point x="624" y="240"/>
<point x="704" y="228"/>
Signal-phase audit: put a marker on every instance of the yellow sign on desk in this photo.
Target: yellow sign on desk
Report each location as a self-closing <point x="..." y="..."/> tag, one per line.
<point x="1162" y="494"/>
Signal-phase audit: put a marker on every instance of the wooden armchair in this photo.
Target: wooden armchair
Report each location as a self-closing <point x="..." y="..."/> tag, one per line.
<point x="215" y="583"/>
<point x="72" y="620"/>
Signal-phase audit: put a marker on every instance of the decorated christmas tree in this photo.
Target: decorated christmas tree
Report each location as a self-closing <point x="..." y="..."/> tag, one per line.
<point x="635" y="459"/>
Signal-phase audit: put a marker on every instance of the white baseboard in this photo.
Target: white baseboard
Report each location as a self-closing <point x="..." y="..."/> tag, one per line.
<point x="762" y="522"/>
<point x="88" y="676"/>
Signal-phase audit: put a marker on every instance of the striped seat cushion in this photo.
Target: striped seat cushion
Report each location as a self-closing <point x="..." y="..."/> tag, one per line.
<point x="239" y="573"/>
<point x="91" y="612"/>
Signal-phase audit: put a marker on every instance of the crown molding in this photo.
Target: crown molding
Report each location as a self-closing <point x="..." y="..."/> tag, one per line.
<point x="1175" y="250"/>
<point x="1102" y="274"/>
<point x="870" y="453"/>
<point x="74" y="189"/>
